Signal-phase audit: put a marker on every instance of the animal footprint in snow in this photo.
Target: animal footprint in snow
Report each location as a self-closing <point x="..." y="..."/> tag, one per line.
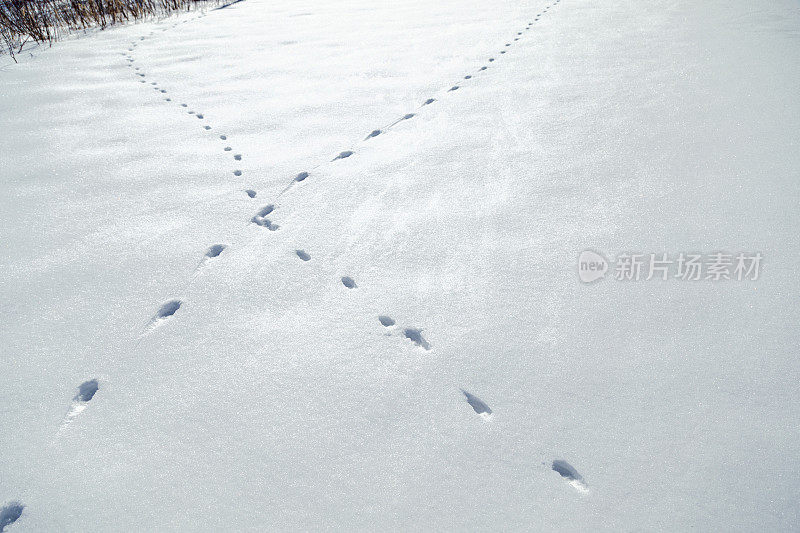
<point x="478" y="405"/>
<point x="344" y="155"/>
<point x="164" y="313"/>
<point x="227" y="148"/>
<point x="238" y="157"/>
<point x="10" y="513"/>
<point x="566" y="471"/>
<point x="467" y="77"/>
<point x="374" y="133"/>
<point x="302" y="255"/>
<point x="168" y="309"/>
<point x="429" y="101"/>
<point x="301" y="176"/>
<point x="251" y="193"/>
<point x="348" y="282"/>
<point x="415" y="336"/>
<point x="484" y="68"/>
<point x="86" y="392"/>
<point x="453" y="88"/>
<point x="386" y="321"/>
<point x="223" y="137"/>
<point x="237" y="172"/>
<point x="207" y="127"/>
<point x="260" y="218"/>
<point x="214" y="251"/>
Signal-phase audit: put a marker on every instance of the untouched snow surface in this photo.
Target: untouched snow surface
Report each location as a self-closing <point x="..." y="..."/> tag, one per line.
<point x="401" y="340"/>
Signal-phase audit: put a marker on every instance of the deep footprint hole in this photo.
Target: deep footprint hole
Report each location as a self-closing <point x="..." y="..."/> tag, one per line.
<point x="87" y="390"/>
<point x="478" y="405"/>
<point x="169" y="309"/>
<point x="415" y="336"/>
<point x="9" y="514"/>
<point x="215" y="250"/>
<point x="566" y="470"/>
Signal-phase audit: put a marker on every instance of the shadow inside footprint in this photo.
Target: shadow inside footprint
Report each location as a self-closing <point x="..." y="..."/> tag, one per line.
<point x="478" y="405"/>
<point x="87" y="390"/>
<point x="344" y="155"/>
<point x="415" y="336"/>
<point x="567" y="471"/>
<point x="260" y="218"/>
<point x="10" y="513"/>
<point x="215" y="250"/>
<point x="169" y="309"/>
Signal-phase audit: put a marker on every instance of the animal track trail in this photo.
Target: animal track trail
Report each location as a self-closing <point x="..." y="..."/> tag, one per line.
<point x="478" y="405"/>
<point x="568" y="472"/>
<point x="10" y="513"/>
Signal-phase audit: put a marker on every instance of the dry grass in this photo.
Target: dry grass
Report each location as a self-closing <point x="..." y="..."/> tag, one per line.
<point x="43" y="21"/>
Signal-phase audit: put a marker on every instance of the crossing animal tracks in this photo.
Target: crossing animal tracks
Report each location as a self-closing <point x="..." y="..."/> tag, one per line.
<point x="414" y="339"/>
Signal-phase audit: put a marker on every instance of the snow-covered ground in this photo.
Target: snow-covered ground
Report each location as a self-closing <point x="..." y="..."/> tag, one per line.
<point x="468" y="380"/>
